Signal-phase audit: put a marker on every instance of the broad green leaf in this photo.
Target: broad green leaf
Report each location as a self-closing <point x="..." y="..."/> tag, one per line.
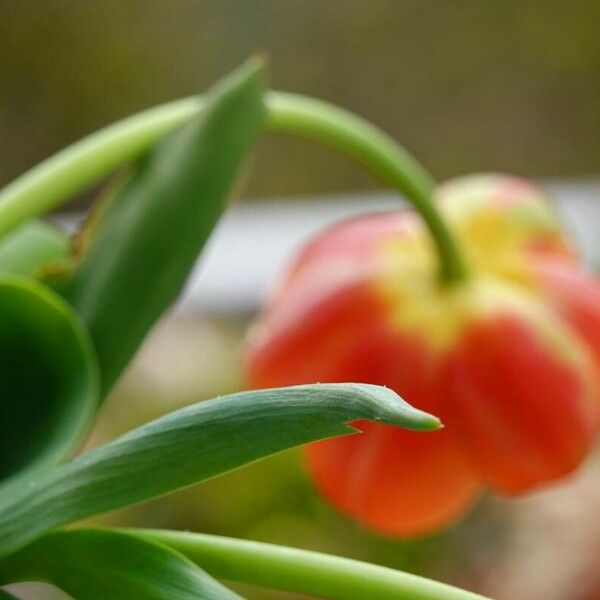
<point x="4" y="595"/>
<point x="193" y="444"/>
<point x="93" y="564"/>
<point x="150" y="233"/>
<point x="48" y="377"/>
<point x="30" y="247"/>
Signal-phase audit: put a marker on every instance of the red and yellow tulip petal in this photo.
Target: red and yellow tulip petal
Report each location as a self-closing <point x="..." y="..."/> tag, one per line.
<point x="495" y="216"/>
<point x="302" y="341"/>
<point x="506" y="358"/>
<point x="575" y="294"/>
<point x="525" y="413"/>
<point x="390" y="480"/>
<point x="348" y="244"/>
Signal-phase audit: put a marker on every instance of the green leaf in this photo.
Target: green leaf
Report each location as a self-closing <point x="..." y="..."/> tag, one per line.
<point x="4" y="595"/>
<point x="27" y="249"/>
<point x="90" y="564"/>
<point x="48" y="377"/>
<point x="193" y="444"/>
<point x="150" y="234"/>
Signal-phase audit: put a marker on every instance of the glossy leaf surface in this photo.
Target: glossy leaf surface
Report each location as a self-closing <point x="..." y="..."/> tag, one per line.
<point x="193" y="444"/>
<point x="48" y="377"/>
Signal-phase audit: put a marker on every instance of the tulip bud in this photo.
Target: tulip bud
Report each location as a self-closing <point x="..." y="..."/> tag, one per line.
<point x="507" y="357"/>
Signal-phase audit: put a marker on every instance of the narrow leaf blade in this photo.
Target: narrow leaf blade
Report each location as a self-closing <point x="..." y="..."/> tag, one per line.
<point x="193" y="444"/>
<point x="150" y="233"/>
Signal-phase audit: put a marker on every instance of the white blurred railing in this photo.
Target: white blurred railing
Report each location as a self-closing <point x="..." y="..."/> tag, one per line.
<point x="254" y="241"/>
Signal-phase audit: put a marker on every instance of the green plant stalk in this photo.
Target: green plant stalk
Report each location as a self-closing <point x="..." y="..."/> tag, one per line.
<point x="392" y="164"/>
<point x="301" y="571"/>
<point x="75" y="168"/>
<point x="29" y="248"/>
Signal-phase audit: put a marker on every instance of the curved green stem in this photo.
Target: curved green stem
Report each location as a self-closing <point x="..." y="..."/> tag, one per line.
<point x="89" y="160"/>
<point x="301" y="571"/>
<point x="392" y="164"/>
<point x="72" y="170"/>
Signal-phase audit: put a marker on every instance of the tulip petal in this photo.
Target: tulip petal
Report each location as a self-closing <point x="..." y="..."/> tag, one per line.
<point x="349" y="244"/>
<point x="498" y="218"/>
<point x="575" y="294"/>
<point x="302" y="341"/>
<point x="523" y="410"/>
<point x="396" y="482"/>
<point x="505" y="359"/>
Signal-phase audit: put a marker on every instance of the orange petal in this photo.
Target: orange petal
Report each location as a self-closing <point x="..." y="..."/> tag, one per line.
<point x="396" y="482"/>
<point x="393" y="481"/>
<point x="575" y="294"/>
<point x="524" y="412"/>
<point x="347" y="245"/>
<point x="306" y="337"/>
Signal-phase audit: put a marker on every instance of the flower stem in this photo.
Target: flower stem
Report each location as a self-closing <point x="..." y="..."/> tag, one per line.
<point x="301" y="571"/>
<point x="392" y="164"/>
<point x="73" y="169"/>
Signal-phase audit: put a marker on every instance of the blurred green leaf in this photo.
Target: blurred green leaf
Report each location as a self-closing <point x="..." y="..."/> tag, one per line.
<point x="4" y="595"/>
<point x="93" y="564"/>
<point x="193" y="444"/>
<point x="150" y="234"/>
<point x="48" y="377"/>
<point x="30" y="247"/>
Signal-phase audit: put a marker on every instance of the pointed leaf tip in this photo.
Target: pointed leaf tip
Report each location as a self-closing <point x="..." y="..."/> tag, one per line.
<point x="151" y="230"/>
<point x="390" y="408"/>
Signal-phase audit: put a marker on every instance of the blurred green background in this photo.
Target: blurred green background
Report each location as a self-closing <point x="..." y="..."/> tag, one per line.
<point x="467" y="85"/>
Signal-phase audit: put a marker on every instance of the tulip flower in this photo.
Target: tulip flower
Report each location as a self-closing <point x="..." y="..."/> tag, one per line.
<point x="505" y="349"/>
